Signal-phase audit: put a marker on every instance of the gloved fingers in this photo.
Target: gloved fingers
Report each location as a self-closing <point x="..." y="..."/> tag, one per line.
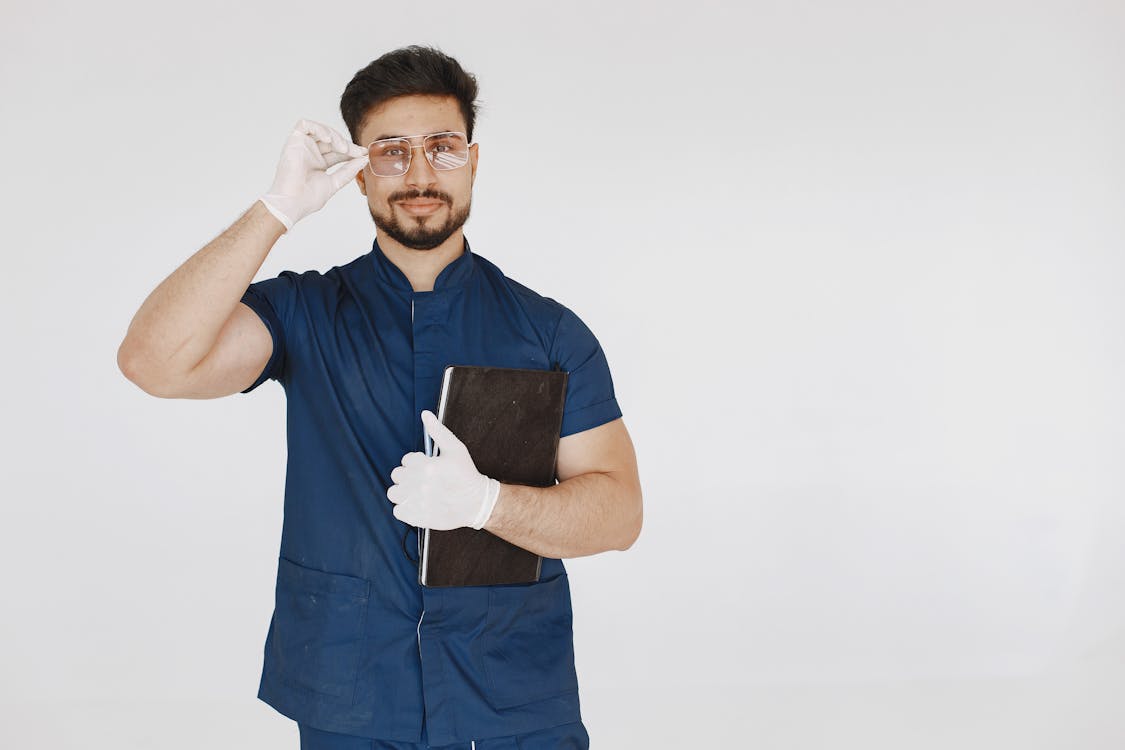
<point x="335" y="157"/>
<point x="332" y="158"/>
<point x="352" y="150"/>
<point x="412" y="476"/>
<point x="308" y="148"/>
<point x="414" y="458"/>
<point x="318" y="131"/>
<point x="442" y="436"/>
<point x="347" y="173"/>
<point x="407" y="516"/>
<point x="328" y="138"/>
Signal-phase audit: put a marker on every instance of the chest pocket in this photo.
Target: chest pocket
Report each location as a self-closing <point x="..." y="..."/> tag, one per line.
<point x="318" y="629"/>
<point x="528" y="643"/>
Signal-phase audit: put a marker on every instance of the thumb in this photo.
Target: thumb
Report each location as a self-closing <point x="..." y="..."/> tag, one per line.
<point x="441" y="435"/>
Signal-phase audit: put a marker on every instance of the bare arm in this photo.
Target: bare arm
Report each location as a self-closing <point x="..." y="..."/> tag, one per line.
<point x="180" y="323"/>
<point x="595" y="507"/>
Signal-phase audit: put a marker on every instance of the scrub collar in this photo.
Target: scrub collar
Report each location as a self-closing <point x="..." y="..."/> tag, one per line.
<point x="456" y="274"/>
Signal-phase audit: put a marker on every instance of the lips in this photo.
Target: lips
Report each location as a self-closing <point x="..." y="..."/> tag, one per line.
<point x="421" y="207"/>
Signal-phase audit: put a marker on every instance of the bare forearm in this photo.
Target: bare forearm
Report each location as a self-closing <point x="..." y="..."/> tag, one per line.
<point x="180" y="321"/>
<point x="584" y="515"/>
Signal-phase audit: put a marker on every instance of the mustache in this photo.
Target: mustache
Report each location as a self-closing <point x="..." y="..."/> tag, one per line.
<point x="433" y="195"/>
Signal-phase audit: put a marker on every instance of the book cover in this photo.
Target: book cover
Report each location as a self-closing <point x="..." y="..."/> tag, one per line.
<point x="509" y="420"/>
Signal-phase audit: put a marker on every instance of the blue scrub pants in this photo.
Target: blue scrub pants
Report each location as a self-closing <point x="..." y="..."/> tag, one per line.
<point x="563" y="737"/>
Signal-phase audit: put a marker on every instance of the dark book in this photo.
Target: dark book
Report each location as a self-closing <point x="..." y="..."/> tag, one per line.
<point x="509" y="420"/>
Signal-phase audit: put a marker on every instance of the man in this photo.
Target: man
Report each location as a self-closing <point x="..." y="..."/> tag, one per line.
<point x="358" y="653"/>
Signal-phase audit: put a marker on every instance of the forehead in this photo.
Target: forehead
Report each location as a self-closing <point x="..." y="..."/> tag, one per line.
<point x="412" y="115"/>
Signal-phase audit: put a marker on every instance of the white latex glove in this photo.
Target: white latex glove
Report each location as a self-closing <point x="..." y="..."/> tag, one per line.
<point x="444" y="491"/>
<point x="302" y="184"/>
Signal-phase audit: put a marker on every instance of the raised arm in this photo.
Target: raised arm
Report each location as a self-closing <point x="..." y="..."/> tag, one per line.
<point x="192" y="337"/>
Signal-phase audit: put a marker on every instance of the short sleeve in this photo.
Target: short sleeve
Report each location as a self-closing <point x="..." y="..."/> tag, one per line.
<point x="273" y="300"/>
<point x="590" y="400"/>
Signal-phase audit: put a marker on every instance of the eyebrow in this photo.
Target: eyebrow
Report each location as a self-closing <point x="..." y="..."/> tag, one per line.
<point x="384" y="137"/>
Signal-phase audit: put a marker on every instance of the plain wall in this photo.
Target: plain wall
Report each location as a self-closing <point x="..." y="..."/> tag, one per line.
<point x="857" y="271"/>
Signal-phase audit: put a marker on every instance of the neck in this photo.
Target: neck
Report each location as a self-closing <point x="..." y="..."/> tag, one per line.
<point x="422" y="267"/>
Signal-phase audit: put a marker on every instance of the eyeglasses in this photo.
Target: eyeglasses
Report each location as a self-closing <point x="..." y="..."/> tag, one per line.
<point x="390" y="157"/>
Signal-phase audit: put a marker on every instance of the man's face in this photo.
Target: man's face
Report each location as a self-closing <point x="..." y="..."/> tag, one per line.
<point x="419" y="228"/>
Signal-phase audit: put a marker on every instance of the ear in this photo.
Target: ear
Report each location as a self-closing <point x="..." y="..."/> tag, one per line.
<point x="359" y="178"/>
<point x="474" y="153"/>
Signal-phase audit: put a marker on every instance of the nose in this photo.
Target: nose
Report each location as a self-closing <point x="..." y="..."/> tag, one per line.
<point x="420" y="174"/>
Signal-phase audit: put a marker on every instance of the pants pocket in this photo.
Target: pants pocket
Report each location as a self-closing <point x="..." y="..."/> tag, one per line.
<point x="318" y="629"/>
<point x="528" y="643"/>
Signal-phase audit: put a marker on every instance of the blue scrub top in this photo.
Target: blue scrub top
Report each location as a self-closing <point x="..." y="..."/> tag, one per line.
<point x="356" y="645"/>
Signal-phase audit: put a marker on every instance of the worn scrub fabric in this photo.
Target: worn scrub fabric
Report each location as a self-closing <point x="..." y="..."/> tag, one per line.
<point x="563" y="737"/>
<point x="355" y="644"/>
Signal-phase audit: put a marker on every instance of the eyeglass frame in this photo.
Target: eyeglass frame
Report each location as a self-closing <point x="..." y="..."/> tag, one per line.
<point x="422" y="145"/>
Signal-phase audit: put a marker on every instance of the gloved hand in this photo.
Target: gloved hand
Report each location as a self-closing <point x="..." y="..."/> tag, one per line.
<point x="444" y="491"/>
<point x="302" y="184"/>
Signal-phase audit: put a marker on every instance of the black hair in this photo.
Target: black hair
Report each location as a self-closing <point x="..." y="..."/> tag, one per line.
<point x="413" y="70"/>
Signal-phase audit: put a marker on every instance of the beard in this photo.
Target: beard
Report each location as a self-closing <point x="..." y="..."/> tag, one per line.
<point x="420" y="232"/>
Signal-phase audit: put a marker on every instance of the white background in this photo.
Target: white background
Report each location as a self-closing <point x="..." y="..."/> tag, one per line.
<point x="857" y="272"/>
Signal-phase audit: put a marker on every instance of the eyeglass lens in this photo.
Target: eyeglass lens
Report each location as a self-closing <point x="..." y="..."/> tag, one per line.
<point x="391" y="157"/>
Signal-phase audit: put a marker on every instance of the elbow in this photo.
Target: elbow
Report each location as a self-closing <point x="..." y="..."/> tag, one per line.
<point x="636" y="524"/>
<point x="124" y="360"/>
<point x="131" y="366"/>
